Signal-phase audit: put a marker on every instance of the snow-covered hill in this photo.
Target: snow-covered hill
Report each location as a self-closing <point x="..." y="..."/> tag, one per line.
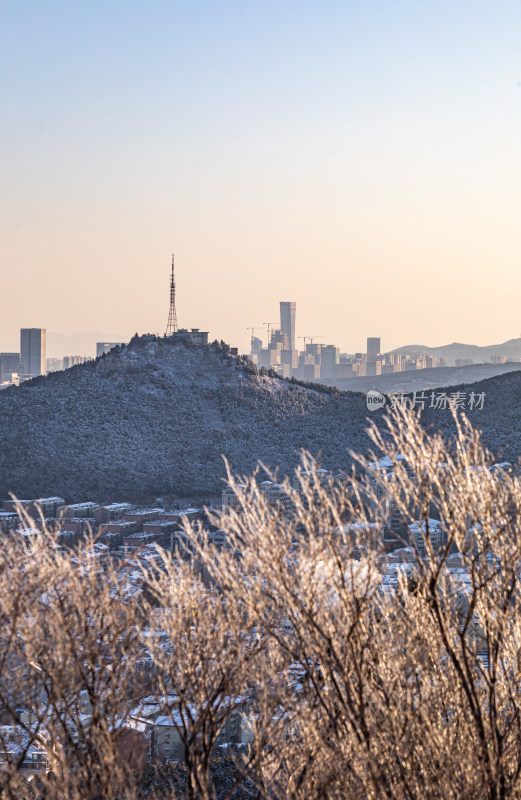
<point x="155" y="417"/>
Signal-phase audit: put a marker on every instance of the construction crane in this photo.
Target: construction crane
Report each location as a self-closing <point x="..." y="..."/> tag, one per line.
<point x="270" y="325"/>
<point x="309" y="338"/>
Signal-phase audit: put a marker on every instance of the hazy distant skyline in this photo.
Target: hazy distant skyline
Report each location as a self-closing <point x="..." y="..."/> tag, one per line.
<point x="362" y="159"/>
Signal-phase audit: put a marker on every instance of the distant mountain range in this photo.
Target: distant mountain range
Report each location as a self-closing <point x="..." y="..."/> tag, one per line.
<point x="456" y="350"/>
<point x="157" y="416"/>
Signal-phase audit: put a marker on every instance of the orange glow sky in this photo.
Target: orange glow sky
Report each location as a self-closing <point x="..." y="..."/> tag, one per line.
<point x="362" y="159"/>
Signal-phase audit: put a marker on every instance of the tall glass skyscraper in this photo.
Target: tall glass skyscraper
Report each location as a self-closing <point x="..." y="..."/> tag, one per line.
<point x="32" y="351"/>
<point x="373" y="351"/>
<point x="287" y="322"/>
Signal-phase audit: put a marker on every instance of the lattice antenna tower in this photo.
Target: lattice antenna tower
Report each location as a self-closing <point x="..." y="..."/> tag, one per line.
<point x="172" y="316"/>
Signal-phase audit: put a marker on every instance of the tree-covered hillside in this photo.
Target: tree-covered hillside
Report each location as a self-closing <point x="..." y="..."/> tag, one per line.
<point x="156" y="417"/>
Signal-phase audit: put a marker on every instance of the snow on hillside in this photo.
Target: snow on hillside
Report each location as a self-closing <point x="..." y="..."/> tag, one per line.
<point x="157" y="417"/>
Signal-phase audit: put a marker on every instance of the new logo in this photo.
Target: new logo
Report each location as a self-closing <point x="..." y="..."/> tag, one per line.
<point x="374" y="400"/>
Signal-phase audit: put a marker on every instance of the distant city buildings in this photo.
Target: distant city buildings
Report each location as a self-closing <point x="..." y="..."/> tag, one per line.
<point x="58" y="364"/>
<point x="54" y="364"/>
<point x="323" y="362"/>
<point x="31" y="361"/>
<point x="71" y="361"/>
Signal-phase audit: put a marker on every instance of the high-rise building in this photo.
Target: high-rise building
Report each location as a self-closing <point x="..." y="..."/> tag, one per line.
<point x="256" y="345"/>
<point x="32" y="351"/>
<point x="373" y="351"/>
<point x="9" y="364"/>
<point x="328" y="362"/>
<point x="278" y="341"/>
<point x="289" y="357"/>
<point x="287" y="322"/>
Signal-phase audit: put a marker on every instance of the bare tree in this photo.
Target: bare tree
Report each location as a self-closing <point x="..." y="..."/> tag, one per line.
<point x="70" y="649"/>
<point x="408" y="689"/>
<point x="207" y="655"/>
<point x="362" y="666"/>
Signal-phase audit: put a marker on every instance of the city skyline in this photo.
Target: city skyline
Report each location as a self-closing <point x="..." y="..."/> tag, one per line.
<point x="361" y="159"/>
<point x="87" y="343"/>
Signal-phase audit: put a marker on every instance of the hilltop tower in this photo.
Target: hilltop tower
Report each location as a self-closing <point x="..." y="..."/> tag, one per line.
<point x="172" y="316"/>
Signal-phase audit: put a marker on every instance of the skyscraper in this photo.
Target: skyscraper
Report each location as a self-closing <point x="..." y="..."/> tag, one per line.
<point x="373" y="351"/>
<point x="287" y="322"/>
<point x="32" y="351"/>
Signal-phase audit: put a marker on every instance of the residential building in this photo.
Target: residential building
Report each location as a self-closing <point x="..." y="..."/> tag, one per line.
<point x="71" y="361"/>
<point x="275" y="494"/>
<point x="464" y="362"/>
<point x="54" y="364"/>
<point x="9" y="521"/>
<point x="49" y="506"/>
<point x="229" y="497"/>
<point x="78" y="510"/>
<point x="110" y="512"/>
<point x="119" y="526"/>
<point x="418" y="535"/>
<point x="139" y="516"/>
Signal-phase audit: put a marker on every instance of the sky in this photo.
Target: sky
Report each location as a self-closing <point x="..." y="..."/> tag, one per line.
<point x="360" y="157"/>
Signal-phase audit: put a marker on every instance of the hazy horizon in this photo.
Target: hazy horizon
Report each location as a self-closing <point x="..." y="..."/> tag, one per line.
<point x="362" y="160"/>
<point x="83" y="343"/>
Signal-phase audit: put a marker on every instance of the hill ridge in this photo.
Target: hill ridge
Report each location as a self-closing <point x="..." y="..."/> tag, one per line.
<point x="156" y="417"/>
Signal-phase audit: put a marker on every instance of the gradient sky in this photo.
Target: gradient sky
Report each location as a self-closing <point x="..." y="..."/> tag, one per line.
<point x="360" y="157"/>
